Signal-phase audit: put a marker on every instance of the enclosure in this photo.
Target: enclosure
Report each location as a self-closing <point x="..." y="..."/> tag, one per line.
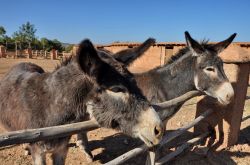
<point x="108" y="144"/>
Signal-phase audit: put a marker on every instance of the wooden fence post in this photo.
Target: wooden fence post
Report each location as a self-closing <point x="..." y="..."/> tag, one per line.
<point x="2" y="51"/>
<point x="56" y="54"/>
<point x="29" y="50"/>
<point x="53" y="54"/>
<point x="36" y="53"/>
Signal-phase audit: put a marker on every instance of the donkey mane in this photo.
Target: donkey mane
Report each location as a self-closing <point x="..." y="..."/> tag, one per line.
<point x="183" y="51"/>
<point x="64" y="62"/>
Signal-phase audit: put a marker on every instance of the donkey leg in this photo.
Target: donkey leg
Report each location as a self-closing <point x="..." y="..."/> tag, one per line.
<point x="38" y="154"/>
<point x="82" y="143"/>
<point x="59" y="154"/>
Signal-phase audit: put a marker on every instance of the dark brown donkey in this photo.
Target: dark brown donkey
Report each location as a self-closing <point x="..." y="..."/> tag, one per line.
<point x="32" y="98"/>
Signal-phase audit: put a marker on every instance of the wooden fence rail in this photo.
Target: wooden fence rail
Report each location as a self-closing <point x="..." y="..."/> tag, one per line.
<point x="166" y="139"/>
<point x="32" y="135"/>
<point x="180" y="149"/>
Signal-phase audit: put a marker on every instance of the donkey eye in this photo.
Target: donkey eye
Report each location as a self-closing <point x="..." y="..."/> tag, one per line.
<point x="210" y="69"/>
<point x="117" y="89"/>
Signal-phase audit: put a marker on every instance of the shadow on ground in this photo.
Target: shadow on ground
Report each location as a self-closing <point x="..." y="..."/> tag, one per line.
<point x="115" y="145"/>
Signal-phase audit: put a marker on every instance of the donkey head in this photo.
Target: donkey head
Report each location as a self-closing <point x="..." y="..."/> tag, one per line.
<point x="117" y="102"/>
<point x="209" y="75"/>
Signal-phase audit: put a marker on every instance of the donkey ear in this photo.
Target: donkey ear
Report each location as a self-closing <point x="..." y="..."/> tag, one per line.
<point x="193" y="45"/>
<point x="88" y="58"/>
<point x="219" y="47"/>
<point x="128" y="56"/>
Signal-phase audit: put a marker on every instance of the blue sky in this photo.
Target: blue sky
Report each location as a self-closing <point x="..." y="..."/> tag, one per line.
<point x="105" y="21"/>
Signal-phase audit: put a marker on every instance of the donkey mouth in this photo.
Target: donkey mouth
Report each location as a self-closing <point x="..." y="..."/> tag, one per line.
<point x="146" y="141"/>
<point x="222" y="101"/>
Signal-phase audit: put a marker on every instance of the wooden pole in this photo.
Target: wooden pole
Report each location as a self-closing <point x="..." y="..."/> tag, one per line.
<point x="29" y="50"/>
<point x="53" y="54"/>
<point x="180" y="149"/>
<point x="128" y="155"/>
<point x="151" y="158"/>
<point x="16" y="54"/>
<point x="177" y="100"/>
<point x="33" y="135"/>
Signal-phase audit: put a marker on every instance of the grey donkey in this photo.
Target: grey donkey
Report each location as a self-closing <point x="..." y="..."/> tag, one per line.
<point x="195" y="67"/>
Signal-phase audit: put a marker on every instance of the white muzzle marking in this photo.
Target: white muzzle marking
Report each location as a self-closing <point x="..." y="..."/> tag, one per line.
<point x="225" y="93"/>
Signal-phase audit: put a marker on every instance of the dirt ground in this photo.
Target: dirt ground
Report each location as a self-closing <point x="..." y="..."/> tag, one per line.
<point x="108" y="144"/>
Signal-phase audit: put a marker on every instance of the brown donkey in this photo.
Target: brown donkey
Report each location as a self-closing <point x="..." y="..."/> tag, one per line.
<point x="32" y="98"/>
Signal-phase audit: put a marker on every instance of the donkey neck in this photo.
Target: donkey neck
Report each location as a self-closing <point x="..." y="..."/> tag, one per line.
<point x="171" y="80"/>
<point x="69" y="90"/>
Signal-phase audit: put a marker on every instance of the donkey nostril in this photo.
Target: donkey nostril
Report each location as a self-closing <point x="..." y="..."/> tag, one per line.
<point x="228" y="97"/>
<point x="157" y="130"/>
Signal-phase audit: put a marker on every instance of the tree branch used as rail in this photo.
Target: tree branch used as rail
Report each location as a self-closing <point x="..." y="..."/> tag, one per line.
<point x="167" y="138"/>
<point x="178" y="100"/>
<point x="180" y="149"/>
<point x="33" y="135"/>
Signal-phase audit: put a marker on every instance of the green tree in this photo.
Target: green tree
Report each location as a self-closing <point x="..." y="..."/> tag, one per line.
<point x="25" y="35"/>
<point x="9" y="43"/>
<point x="57" y="45"/>
<point x="69" y="48"/>
<point x="18" y="39"/>
<point x="51" y="44"/>
<point x="37" y="44"/>
<point x="2" y="31"/>
<point x="46" y="45"/>
<point x="2" y="35"/>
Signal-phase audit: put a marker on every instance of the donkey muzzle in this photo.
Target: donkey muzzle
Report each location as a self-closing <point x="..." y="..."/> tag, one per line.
<point x="225" y="93"/>
<point x="150" y="128"/>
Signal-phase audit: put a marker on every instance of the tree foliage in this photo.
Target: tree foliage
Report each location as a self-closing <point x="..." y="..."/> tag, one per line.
<point x="51" y="44"/>
<point x="26" y="37"/>
<point x="69" y="48"/>
<point x="26" y="34"/>
<point x="2" y="31"/>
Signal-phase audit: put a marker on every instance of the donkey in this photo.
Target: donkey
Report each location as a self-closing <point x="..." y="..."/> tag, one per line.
<point x="195" y="67"/>
<point x="32" y="98"/>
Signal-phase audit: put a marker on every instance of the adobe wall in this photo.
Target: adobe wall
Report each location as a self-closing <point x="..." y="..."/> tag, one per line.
<point x="115" y="49"/>
<point x="155" y="56"/>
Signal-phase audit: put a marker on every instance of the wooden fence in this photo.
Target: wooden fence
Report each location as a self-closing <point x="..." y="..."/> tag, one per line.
<point x="33" y="135"/>
<point x="35" y="54"/>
